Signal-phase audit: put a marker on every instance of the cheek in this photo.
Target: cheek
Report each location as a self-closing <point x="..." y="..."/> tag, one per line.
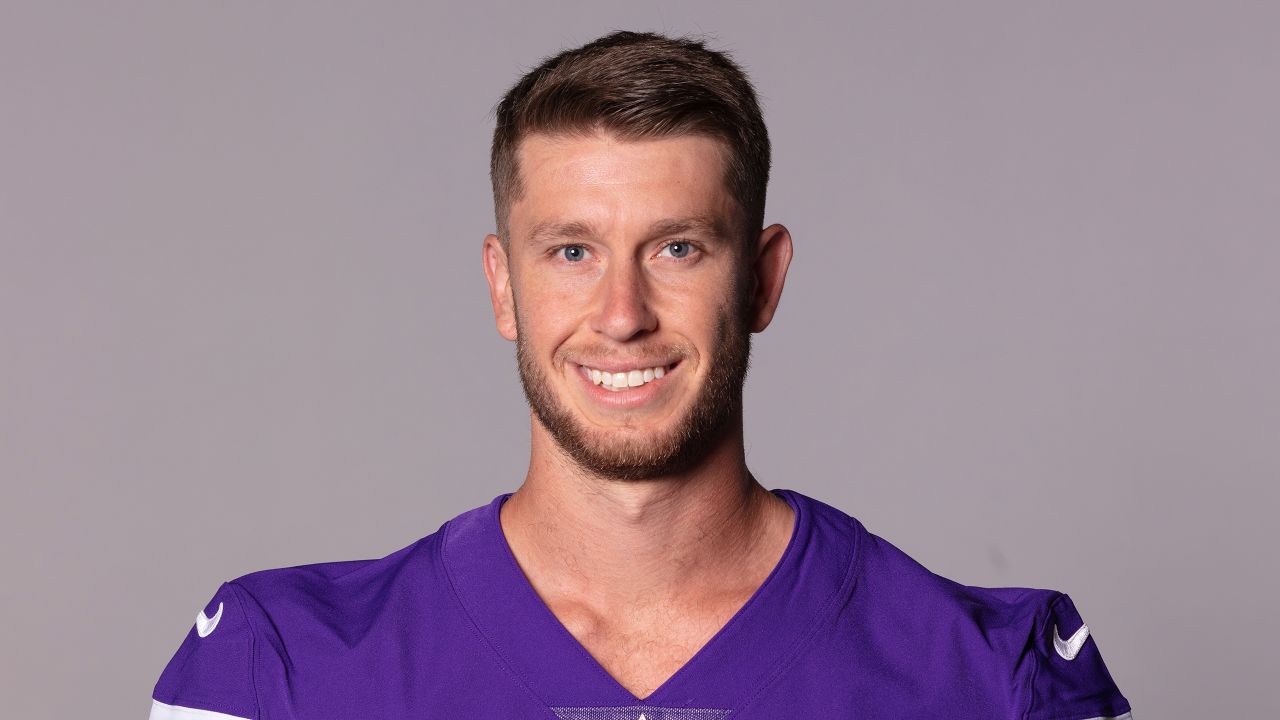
<point x="544" y="316"/>
<point x="701" y="300"/>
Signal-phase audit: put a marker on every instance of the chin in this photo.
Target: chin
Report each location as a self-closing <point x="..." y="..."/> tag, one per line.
<point x="638" y="453"/>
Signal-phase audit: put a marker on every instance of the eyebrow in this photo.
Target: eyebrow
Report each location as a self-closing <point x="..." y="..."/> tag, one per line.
<point x="549" y="230"/>
<point x="706" y="225"/>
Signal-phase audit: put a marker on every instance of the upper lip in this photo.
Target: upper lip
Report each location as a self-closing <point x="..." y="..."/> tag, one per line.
<point x="617" y="366"/>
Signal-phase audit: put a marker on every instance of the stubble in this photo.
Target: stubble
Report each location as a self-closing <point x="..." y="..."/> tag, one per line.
<point x="686" y="445"/>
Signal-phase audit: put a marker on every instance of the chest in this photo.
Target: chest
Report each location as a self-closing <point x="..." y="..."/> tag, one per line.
<point x="642" y="647"/>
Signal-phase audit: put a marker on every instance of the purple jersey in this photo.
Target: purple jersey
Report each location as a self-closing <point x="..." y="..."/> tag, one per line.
<point x="846" y="626"/>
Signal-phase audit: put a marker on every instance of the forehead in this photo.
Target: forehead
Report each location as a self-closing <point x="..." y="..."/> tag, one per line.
<point x="602" y="180"/>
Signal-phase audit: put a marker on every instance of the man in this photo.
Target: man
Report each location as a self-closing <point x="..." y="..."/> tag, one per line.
<point x="640" y="571"/>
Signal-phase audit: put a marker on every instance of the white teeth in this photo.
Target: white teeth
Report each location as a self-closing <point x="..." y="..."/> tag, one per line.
<point x="622" y="380"/>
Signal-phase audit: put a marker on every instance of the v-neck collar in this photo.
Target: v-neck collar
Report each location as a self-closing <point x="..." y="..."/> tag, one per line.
<point x="810" y="582"/>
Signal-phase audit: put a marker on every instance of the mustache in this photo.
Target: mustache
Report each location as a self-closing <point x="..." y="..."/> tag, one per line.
<point x="585" y="355"/>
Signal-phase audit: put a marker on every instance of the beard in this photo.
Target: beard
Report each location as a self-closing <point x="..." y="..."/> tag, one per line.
<point x="686" y="445"/>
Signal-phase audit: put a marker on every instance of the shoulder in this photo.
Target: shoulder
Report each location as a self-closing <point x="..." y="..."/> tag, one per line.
<point x="256" y="627"/>
<point x="894" y="586"/>
<point x="338" y="591"/>
<point x="891" y="576"/>
<point x="1022" y="652"/>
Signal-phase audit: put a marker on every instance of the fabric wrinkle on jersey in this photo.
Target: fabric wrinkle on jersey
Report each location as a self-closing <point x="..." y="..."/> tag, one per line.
<point x="845" y="626"/>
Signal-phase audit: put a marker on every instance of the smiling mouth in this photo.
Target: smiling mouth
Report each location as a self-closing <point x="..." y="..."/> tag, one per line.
<point x="626" y="379"/>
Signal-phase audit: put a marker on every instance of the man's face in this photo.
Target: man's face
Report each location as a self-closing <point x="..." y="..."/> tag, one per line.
<point x="627" y="299"/>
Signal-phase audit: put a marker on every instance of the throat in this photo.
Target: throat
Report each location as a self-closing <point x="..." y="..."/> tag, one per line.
<point x="627" y="544"/>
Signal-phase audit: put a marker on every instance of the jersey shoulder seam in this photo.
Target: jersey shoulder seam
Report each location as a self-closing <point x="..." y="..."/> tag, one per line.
<point x="1042" y="613"/>
<point x="239" y="591"/>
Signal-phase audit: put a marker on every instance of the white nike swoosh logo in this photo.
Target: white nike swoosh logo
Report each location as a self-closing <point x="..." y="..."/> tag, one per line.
<point x="205" y="624"/>
<point x="1070" y="647"/>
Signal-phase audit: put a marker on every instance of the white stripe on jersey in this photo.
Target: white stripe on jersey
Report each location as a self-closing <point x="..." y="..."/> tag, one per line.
<point x="160" y="711"/>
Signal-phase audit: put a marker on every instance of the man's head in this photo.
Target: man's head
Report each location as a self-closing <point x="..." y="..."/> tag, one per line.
<point x="631" y="266"/>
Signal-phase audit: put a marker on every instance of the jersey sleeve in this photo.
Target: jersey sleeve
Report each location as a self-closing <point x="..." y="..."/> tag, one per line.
<point x="1065" y="678"/>
<point x="211" y="677"/>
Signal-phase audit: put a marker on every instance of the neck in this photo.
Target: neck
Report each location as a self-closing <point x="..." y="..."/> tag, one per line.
<point x="614" y="543"/>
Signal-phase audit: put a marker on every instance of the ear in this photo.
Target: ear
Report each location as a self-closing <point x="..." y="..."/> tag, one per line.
<point x="498" y="273"/>
<point x="768" y="273"/>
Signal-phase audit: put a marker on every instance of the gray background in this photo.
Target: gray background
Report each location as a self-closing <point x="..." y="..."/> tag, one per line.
<point x="1030" y="334"/>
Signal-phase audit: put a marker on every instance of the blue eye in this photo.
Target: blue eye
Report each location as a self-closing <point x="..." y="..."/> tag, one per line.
<point x="679" y="249"/>
<point x="574" y="253"/>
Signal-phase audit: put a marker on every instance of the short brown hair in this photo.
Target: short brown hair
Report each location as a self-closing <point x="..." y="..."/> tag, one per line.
<point x="637" y="86"/>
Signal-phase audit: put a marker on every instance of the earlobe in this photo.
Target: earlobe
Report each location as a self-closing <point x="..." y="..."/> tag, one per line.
<point x="769" y="273"/>
<point x="498" y="273"/>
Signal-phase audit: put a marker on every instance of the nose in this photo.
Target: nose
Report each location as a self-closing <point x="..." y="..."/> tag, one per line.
<point x="623" y="310"/>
